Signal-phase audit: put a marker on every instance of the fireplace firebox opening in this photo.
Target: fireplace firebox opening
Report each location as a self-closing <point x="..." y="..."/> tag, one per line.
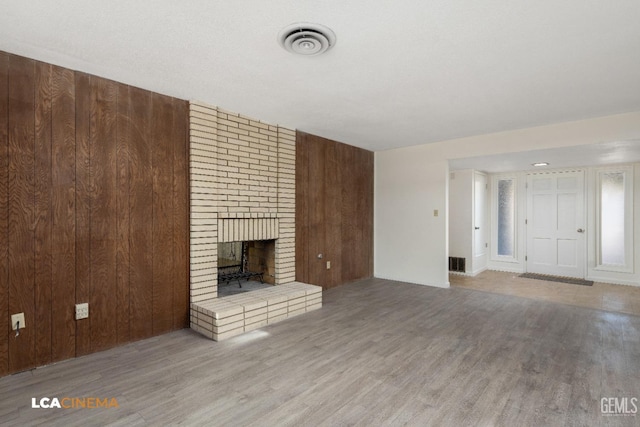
<point x="239" y="262"/>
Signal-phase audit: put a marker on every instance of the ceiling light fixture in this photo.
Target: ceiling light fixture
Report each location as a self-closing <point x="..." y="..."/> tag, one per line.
<point x="540" y="164"/>
<point x="304" y="38"/>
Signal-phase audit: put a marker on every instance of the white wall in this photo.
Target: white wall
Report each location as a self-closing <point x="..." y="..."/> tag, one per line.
<point x="460" y="214"/>
<point x="462" y="217"/>
<point x="410" y="243"/>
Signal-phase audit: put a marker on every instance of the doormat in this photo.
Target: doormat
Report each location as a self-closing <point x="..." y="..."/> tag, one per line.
<point x="548" y="278"/>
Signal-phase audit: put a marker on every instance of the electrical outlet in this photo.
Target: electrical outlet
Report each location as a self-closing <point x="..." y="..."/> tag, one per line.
<point x="82" y="311"/>
<point x="435" y="212"/>
<point x="15" y="318"/>
<point x="328" y="265"/>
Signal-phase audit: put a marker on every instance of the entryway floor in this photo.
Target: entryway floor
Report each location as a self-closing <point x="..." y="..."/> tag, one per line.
<point x="602" y="296"/>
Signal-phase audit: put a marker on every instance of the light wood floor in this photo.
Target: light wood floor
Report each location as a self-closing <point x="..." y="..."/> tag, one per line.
<point x="377" y="353"/>
<point x="602" y="296"/>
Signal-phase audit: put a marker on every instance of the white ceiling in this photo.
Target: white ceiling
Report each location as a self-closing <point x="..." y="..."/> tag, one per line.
<point x="401" y="73"/>
<point x="565" y="157"/>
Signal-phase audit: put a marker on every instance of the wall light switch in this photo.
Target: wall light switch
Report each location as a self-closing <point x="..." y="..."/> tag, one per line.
<point x="82" y="311"/>
<point x="328" y="265"/>
<point x="435" y="212"/>
<point x="15" y="318"/>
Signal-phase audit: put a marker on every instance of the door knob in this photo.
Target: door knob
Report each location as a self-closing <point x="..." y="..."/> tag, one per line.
<point x="580" y="230"/>
<point x="477" y="228"/>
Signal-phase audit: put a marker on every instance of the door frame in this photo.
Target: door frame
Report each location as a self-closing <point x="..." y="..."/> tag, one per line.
<point x="480" y="260"/>
<point x="584" y="249"/>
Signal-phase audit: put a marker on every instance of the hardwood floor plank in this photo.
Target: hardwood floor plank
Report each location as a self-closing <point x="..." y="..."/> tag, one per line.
<point x="603" y="296"/>
<point x="377" y="353"/>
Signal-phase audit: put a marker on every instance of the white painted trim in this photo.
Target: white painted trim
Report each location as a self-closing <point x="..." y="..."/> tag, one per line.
<point x="469" y="273"/>
<point x="494" y="218"/>
<point x="631" y="278"/>
<point x="507" y="269"/>
<point x="627" y="267"/>
<point x="478" y="271"/>
<point x="614" y="281"/>
<point x="446" y="284"/>
<point x="527" y="199"/>
<point x="481" y="259"/>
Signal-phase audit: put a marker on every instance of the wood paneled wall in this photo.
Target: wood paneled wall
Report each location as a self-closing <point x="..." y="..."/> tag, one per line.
<point x="93" y="208"/>
<point x="334" y="211"/>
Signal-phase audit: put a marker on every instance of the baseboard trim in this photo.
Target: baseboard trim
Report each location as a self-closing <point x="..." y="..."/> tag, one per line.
<point x="444" y="285"/>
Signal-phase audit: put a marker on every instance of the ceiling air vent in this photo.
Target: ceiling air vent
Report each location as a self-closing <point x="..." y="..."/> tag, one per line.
<point x="306" y="39"/>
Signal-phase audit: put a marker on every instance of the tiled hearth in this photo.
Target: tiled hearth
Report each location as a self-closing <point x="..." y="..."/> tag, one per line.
<point x="230" y="316"/>
<point x="242" y="176"/>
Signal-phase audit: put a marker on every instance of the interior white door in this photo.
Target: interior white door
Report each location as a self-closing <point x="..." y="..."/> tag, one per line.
<point x="479" y="215"/>
<point x="555" y="224"/>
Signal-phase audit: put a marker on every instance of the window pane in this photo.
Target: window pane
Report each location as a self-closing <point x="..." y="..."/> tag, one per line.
<point x="612" y="218"/>
<point x="506" y="217"/>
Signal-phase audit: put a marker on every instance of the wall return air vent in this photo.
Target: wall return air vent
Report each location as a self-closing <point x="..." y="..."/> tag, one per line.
<point x="307" y="39"/>
<point x="457" y="264"/>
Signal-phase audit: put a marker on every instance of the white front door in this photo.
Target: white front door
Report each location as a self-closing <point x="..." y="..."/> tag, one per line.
<point x="555" y="224"/>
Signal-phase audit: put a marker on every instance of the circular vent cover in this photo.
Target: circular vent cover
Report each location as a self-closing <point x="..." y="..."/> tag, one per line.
<point x="306" y="39"/>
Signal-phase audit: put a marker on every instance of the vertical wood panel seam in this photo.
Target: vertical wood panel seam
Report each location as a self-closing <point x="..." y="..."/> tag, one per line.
<point x="153" y="255"/>
<point x="75" y="203"/>
<point x="90" y="205"/>
<point x="5" y="255"/>
<point x="51" y="248"/>
<point x="129" y="150"/>
<point x="51" y="284"/>
<point x="75" y="207"/>
<point x="117" y="191"/>
<point x="50" y="222"/>
<point x="33" y="217"/>
<point x="170" y="286"/>
<point x="307" y="210"/>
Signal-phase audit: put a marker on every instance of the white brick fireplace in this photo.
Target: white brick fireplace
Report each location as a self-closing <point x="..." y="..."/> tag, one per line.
<point x="242" y="175"/>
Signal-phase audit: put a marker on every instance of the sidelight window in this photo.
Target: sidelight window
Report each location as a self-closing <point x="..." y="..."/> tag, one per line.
<point x="506" y="217"/>
<point x="614" y="219"/>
